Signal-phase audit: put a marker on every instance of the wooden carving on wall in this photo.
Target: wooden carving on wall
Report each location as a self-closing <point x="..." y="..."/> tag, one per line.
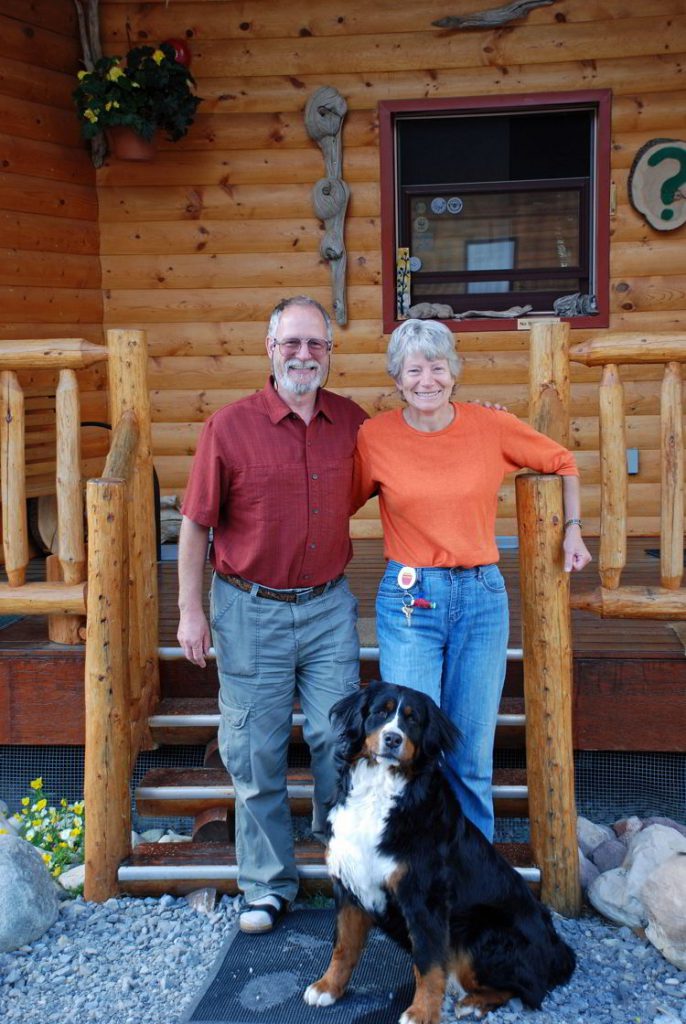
<point x="493" y="17"/>
<point x="89" y="30"/>
<point x="324" y="115"/>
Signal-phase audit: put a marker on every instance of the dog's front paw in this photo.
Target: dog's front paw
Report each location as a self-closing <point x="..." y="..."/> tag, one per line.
<point x="317" y="995"/>
<point x="410" y="1016"/>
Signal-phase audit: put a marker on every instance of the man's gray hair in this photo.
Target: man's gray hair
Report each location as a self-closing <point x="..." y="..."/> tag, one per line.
<point x="297" y="300"/>
<point x="428" y="338"/>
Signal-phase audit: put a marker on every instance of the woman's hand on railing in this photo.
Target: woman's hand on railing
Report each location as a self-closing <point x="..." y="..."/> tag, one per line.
<point x="576" y="553"/>
<point x="194" y="637"/>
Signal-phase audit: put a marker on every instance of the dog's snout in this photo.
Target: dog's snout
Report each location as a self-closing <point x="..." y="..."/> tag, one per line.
<point x="392" y="739"/>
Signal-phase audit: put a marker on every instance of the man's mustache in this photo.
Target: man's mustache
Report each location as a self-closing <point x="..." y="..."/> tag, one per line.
<point x="301" y="364"/>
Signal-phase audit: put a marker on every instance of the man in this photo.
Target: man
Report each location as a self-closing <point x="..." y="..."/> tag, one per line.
<point x="272" y="478"/>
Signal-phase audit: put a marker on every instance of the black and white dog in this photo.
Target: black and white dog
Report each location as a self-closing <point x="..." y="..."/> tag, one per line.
<point x="402" y="856"/>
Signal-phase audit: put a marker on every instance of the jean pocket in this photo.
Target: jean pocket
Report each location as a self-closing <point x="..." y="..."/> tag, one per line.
<point x="234" y="741"/>
<point x="222" y="597"/>
<point x="492" y="578"/>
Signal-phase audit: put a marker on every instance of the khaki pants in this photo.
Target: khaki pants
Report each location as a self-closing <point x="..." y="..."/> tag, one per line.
<point x="269" y="652"/>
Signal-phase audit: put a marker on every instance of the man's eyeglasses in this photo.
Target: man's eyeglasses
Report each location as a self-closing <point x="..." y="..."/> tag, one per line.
<point x="316" y="346"/>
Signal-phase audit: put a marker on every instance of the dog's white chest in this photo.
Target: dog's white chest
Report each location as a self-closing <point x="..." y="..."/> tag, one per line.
<point x="357" y="826"/>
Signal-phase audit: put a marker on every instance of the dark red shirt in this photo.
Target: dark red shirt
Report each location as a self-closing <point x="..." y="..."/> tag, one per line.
<point x="276" y="491"/>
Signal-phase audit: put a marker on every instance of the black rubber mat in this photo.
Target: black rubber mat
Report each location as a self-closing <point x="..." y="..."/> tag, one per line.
<point x="262" y="978"/>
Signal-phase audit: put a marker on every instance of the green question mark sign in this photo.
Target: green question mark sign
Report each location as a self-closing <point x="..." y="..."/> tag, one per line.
<point x="671" y="185"/>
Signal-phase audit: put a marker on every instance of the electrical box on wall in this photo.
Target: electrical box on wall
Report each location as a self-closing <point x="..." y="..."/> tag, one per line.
<point x="632" y="461"/>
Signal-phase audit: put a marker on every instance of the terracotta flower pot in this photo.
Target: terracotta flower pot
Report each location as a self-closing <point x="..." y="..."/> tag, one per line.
<point x="126" y="144"/>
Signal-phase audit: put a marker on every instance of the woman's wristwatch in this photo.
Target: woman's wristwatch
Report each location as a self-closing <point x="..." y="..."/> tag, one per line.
<point x="574" y="522"/>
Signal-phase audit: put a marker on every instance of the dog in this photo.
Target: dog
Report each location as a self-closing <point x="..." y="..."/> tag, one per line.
<point x="403" y="857"/>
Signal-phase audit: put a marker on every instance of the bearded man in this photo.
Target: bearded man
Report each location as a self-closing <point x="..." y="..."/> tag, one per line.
<point x="272" y="479"/>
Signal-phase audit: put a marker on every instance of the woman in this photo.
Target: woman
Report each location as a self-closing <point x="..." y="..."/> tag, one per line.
<point x="441" y="610"/>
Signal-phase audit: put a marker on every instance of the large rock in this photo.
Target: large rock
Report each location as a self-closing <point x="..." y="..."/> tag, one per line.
<point x="617" y="893"/>
<point x="664" y="899"/>
<point x="609" y="854"/>
<point x="29" y="902"/>
<point x="589" y="835"/>
<point x="588" y="872"/>
<point x="6" y="824"/>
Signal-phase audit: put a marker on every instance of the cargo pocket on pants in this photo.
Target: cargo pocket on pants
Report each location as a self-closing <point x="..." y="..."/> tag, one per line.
<point x="234" y="741"/>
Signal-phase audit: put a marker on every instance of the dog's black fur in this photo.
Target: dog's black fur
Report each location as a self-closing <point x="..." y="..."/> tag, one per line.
<point x="447" y="894"/>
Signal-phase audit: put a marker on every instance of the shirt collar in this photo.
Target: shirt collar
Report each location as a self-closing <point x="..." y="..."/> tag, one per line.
<point x="277" y="409"/>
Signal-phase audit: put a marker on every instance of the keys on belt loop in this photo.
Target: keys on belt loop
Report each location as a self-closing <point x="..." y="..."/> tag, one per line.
<point x="408" y="607"/>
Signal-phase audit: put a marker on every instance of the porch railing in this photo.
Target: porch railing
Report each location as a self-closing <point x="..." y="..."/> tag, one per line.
<point x="115" y="586"/>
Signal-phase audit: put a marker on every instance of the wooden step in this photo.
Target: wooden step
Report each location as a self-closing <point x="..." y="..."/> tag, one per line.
<point x="185" y="792"/>
<point x="156" y="868"/>
<point x="180" y="721"/>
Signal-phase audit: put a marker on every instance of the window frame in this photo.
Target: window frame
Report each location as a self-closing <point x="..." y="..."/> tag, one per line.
<point x="599" y="198"/>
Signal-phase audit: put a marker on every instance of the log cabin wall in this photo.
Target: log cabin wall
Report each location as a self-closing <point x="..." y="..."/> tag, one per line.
<point x="50" y="281"/>
<point x="197" y="246"/>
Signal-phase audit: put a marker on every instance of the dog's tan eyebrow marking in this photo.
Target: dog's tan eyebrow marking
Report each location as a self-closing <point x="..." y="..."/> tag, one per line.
<point x="389" y="705"/>
<point x="408" y="710"/>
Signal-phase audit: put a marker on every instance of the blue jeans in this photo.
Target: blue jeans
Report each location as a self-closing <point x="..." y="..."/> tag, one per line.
<point x="457" y="654"/>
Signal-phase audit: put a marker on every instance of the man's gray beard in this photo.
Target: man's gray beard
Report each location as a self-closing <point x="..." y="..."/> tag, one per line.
<point x="284" y="383"/>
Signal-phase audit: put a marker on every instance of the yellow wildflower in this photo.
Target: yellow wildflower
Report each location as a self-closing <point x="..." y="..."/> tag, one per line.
<point x="63" y="802"/>
<point x="158" y="56"/>
<point x="4" y="831"/>
<point x="46" y="857"/>
<point x="90" y="116"/>
<point x="25" y="801"/>
<point x="111" y="104"/>
<point x="40" y="805"/>
<point x="78" y="807"/>
<point x="114" y="73"/>
<point x="36" y="823"/>
<point x="81" y="75"/>
<point x="37" y="783"/>
<point x="76" y="832"/>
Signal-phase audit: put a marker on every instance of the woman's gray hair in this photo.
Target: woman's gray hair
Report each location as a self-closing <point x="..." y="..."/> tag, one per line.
<point x="428" y="338"/>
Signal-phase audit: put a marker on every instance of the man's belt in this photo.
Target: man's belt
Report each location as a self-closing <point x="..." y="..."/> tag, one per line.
<point x="290" y="596"/>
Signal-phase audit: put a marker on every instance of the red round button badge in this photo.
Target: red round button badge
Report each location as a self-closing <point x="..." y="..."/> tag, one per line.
<point x="407" y="577"/>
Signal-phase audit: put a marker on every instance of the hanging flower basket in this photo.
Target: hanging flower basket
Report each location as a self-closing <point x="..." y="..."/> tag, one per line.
<point x="126" y="144"/>
<point x="144" y="92"/>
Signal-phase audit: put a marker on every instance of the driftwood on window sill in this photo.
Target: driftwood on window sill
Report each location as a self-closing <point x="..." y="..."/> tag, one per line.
<point x="494" y="17"/>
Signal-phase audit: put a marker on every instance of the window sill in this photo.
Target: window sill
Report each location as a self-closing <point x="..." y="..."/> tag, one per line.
<point x="478" y="325"/>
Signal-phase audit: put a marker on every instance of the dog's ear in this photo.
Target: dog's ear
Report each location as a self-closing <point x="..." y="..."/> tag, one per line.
<point x="347" y="715"/>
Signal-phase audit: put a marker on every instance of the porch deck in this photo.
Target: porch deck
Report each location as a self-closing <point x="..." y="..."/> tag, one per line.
<point x="629" y="675"/>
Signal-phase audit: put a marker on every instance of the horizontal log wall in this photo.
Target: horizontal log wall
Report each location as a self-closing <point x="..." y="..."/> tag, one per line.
<point x="50" y="279"/>
<point x="199" y="245"/>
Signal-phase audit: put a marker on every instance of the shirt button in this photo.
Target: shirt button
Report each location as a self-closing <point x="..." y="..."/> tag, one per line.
<point x="315" y="476"/>
<point x="313" y="546"/>
<point x="306" y="576"/>
<point x="315" y="511"/>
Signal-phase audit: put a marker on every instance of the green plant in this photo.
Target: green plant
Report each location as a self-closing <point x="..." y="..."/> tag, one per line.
<point x="57" y="832"/>
<point x="146" y="90"/>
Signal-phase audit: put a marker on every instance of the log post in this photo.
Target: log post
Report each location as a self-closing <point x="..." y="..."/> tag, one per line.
<point x="549" y="380"/>
<point x="108" y="749"/>
<point x="62" y="629"/>
<point x="71" y="546"/>
<point x="546" y="630"/>
<point x="672" y="474"/>
<point x="129" y="392"/>
<point x="613" y="478"/>
<point x="13" y="473"/>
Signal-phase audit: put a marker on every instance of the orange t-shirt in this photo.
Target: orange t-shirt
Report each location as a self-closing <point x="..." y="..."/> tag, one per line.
<point x="438" y="492"/>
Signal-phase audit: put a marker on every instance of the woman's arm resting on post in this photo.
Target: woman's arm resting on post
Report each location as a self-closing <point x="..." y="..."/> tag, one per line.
<point x="194" y="632"/>
<point x="576" y="553"/>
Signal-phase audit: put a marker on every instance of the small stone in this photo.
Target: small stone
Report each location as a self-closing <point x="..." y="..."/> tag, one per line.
<point x="626" y="828"/>
<point x="609" y="854"/>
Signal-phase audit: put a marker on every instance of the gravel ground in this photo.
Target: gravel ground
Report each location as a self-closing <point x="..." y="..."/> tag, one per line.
<point x="142" y="961"/>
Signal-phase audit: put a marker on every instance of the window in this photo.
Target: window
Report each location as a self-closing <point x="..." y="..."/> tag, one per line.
<point x="495" y="203"/>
